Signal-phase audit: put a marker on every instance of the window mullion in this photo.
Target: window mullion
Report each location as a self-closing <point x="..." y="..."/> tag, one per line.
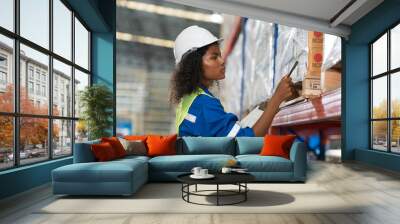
<point x="50" y="81"/>
<point x="73" y="82"/>
<point x="371" y="89"/>
<point x="389" y="106"/>
<point x="16" y="84"/>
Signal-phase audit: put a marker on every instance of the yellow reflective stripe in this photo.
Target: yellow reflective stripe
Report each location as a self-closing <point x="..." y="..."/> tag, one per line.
<point x="183" y="107"/>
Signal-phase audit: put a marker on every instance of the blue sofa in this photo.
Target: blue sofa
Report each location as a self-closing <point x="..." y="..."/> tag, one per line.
<point x="125" y="176"/>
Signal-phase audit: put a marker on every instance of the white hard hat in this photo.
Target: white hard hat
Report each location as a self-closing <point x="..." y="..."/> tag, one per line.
<point x="190" y="39"/>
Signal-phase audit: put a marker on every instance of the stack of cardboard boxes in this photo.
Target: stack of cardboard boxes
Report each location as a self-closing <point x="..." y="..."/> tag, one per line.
<point x="312" y="80"/>
<point x="331" y="78"/>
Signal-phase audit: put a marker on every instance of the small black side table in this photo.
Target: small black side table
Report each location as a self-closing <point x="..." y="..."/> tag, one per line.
<point x="239" y="179"/>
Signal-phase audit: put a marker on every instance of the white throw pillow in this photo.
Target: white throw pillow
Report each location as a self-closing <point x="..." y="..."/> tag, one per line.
<point x="134" y="147"/>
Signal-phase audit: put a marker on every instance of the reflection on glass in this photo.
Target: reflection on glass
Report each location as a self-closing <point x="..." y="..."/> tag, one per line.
<point x="395" y="136"/>
<point x="7" y="14"/>
<point x="35" y="21"/>
<point x="379" y="55"/>
<point x="34" y="96"/>
<point x="395" y="95"/>
<point x="81" y="45"/>
<point x="6" y="142"/>
<point x="379" y="135"/>
<point x="62" y="29"/>
<point x="6" y="74"/>
<point x="81" y="81"/>
<point x="81" y="131"/>
<point x="62" y="89"/>
<point x="33" y="139"/>
<point x="62" y="138"/>
<point x="379" y="97"/>
<point x="395" y="47"/>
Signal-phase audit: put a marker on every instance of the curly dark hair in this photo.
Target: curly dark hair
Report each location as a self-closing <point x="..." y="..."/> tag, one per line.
<point x="187" y="75"/>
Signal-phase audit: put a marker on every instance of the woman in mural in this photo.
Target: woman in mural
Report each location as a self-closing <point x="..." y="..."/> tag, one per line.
<point x="198" y="65"/>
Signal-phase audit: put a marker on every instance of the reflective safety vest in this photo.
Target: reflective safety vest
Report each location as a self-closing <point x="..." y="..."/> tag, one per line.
<point x="182" y="110"/>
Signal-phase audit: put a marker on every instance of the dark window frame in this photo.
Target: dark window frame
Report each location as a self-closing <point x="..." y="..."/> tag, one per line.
<point x="16" y="115"/>
<point x="388" y="74"/>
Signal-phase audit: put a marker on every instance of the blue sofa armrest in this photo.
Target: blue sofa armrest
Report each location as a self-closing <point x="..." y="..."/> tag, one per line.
<point x="298" y="155"/>
<point x="83" y="152"/>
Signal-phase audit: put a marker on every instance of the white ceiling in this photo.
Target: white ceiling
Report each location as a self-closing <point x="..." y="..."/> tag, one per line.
<point x="316" y="15"/>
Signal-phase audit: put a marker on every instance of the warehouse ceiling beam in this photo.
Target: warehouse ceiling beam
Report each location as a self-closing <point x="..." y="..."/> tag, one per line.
<point x="168" y="11"/>
<point x="346" y="12"/>
<point x="145" y="40"/>
<point x="268" y="15"/>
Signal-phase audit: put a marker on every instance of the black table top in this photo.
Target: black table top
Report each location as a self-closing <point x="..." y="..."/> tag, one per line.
<point x="220" y="178"/>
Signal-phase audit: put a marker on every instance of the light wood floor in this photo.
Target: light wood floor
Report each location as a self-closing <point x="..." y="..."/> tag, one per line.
<point x="378" y="189"/>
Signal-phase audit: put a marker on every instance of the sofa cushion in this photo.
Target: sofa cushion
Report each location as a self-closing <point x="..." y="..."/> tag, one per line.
<point x="185" y="163"/>
<point x="159" y="145"/>
<point x="207" y="145"/>
<point x="136" y="138"/>
<point x="93" y="172"/>
<point x="83" y="152"/>
<point x="249" y="145"/>
<point x="103" y="152"/>
<point x="112" y="171"/>
<point x="257" y="163"/>
<point x="130" y="158"/>
<point x="116" y="145"/>
<point x="134" y="147"/>
<point x="277" y="145"/>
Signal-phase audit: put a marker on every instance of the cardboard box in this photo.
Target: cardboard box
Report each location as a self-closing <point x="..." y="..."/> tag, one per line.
<point x="312" y="80"/>
<point x="331" y="79"/>
<point x="315" y="53"/>
<point x="316" y="38"/>
<point x="311" y="87"/>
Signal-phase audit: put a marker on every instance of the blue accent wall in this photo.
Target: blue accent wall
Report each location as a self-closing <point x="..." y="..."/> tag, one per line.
<point x="24" y="178"/>
<point x="91" y="13"/>
<point x="102" y="57"/>
<point x="379" y="159"/>
<point x="355" y="99"/>
<point x="104" y="54"/>
<point x="100" y="17"/>
<point x="355" y="86"/>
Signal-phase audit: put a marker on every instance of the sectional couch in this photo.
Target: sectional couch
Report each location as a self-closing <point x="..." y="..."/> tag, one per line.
<point x="125" y="176"/>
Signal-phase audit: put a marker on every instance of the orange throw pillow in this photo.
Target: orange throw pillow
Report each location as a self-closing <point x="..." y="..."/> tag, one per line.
<point x="103" y="152"/>
<point x="161" y="145"/>
<point x="116" y="145"/>
<point x="277" y="145"/>
<point x="136" y="138"/>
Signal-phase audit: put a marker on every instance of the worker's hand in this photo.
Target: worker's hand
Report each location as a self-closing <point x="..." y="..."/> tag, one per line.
<point x="284" y="91"/>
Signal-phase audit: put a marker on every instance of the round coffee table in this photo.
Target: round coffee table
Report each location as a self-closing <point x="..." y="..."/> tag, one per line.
<point x="238" y="179"/>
